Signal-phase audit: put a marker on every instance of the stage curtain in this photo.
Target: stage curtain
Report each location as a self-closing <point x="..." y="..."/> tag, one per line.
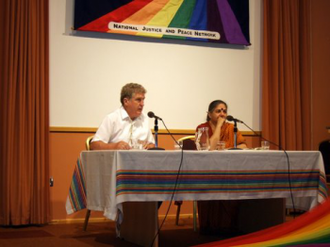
<point x="286" y="81"/>
<point x="24" y="109"/>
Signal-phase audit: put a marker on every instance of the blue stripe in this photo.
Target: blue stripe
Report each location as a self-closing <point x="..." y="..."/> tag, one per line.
<point x="228" y="173"/>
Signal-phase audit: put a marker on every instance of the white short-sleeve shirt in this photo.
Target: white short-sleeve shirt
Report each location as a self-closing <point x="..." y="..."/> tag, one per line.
<point x="118" y="126"/>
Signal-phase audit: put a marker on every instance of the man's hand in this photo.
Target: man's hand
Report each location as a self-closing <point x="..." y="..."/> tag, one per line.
<point x="148" y="145"/>
<point x="122" y="146"/>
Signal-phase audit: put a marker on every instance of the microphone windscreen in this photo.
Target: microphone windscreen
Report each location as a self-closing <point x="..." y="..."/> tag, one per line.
<point x="151" y="114"/>
<point x="230" y="118"/>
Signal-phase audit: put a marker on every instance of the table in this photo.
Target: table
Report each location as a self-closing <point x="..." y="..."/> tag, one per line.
<point x="116" y="177"/>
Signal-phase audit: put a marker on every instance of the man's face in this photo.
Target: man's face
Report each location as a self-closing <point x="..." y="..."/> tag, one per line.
<point x="134" y="106"/>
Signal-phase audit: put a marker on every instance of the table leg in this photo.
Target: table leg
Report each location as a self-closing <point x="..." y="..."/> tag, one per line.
<point x="140" y="223"/>
<point x="258" y="214"/>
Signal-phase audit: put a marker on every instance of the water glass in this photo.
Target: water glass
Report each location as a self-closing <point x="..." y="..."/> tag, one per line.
<point x="265" y="145"/>
<point x="178" y="145"/>
<point x="221" y="145"/>
<point x="202" y="139"/>
<point x="137" y="144"/>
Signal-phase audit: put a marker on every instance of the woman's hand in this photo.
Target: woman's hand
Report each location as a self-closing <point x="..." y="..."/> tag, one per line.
<point x="220" y="122"/>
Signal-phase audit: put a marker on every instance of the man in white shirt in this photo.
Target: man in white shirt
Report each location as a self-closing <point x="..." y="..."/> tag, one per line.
<point x="127" y="126"/>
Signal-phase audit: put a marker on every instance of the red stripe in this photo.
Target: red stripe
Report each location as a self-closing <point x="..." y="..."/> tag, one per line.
<point x="118" y="15"/>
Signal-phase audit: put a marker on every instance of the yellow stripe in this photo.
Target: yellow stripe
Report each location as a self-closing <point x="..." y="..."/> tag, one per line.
<point x="144" y="15"/>
<point x="164" y="17"/>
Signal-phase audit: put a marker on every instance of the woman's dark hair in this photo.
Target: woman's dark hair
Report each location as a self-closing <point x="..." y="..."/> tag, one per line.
<point x="213" y="105"/>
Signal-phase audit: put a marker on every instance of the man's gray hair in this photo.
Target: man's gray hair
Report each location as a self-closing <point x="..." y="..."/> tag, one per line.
<point x="129" y="90"/>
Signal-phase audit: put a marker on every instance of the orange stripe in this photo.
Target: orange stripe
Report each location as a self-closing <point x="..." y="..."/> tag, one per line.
<point x="143" y="16"/>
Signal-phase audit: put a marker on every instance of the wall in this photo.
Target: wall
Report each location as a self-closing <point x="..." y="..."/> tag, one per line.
<point x="88" y="69"/>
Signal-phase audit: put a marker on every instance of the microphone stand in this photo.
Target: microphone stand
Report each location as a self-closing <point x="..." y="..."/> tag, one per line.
<point x="156" y="132"/>
<point x="235" y="137"/>
<point x="156" y="137"/>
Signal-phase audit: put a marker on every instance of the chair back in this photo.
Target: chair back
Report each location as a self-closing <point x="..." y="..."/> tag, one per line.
<point x="88" y="142"/>
<point x="188" y="142"/>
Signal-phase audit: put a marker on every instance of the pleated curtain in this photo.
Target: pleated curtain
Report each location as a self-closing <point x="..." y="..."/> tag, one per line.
<point x="286" y="73"/>
<point x="24" y="124"/>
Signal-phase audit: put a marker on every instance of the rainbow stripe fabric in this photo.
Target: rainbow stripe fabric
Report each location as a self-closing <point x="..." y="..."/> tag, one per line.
<point x="76" y="199"/>
<point x="310" y="229"/>
<point x="214" y="181"/>
<point x="222" y="21"/>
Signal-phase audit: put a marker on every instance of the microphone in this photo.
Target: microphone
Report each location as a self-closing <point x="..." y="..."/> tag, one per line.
<point x="152" y="115"/>
<point x="231" y="118"/>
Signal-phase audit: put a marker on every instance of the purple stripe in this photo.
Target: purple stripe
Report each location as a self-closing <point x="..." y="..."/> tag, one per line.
<point x="231" y="27"/>
<point x="214" y="21"/>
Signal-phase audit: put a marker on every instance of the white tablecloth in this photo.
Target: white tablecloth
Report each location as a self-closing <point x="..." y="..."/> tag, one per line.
<point x="114" y="177"/>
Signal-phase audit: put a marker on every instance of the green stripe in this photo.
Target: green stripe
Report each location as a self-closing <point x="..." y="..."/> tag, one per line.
<point x="182" y="17"/>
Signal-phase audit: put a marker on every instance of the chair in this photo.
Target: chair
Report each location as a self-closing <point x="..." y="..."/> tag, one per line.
<point x="188" y="143"/>
<point x="88" y="142"/>
<point x="88" y="213"/>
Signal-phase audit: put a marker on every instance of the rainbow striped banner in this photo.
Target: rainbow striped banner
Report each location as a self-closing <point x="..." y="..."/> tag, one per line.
<point x="221" y="21"/>
<point x="310" y="229"/>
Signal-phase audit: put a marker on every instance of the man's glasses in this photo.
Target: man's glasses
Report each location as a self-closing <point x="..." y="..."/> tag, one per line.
<point x="221" y="110"/>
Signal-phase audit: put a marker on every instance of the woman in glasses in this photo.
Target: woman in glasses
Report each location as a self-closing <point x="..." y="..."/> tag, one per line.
<point x="219" y="217"/>
<point x="219" y="129"/>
